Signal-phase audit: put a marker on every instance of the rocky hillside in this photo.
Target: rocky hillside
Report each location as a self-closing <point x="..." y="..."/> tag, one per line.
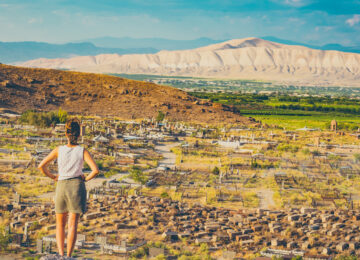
<point x="96" y="94"/>
<point x="249" y="58"/>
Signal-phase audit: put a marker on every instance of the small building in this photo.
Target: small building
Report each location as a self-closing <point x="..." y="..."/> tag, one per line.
<point x="100" y="139"/>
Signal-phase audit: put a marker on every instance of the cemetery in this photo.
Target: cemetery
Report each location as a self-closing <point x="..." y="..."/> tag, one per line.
<point x="179" y="189"/>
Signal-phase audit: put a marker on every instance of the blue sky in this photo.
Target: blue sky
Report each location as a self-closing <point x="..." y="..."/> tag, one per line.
<point x="308" y="21"/>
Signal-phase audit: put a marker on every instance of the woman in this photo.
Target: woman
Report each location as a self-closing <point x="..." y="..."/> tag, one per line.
<point x="70" y="195"/>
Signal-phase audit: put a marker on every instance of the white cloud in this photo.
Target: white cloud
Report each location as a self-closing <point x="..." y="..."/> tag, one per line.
<point x="35" y="20"/>
<point x="323" y="28"/>
<point x="354" y="20"/>
<point x="296" y="20"/>
<point x="297" y="3"/>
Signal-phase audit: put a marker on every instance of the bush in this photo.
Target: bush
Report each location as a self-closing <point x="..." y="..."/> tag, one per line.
<point x="42" y="119"/>
<point x="160" y="116"/>
<point x="4" y="238"/>
<point x="357" y="157"/>
<point x="288" y="148"/>
<point x="160" y="257"/>
<point x="216" y="170"/>
<point x="110" y="173"/>
<point x="164" y="195"/>
<point x="137" y="175"/>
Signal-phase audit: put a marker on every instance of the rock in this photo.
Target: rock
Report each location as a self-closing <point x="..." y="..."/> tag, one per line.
<point x="56" y="257"/>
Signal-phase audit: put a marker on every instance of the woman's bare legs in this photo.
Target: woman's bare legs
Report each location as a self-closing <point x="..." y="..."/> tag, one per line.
<point x="60" y="231"/>
<point x="72" y="232"/>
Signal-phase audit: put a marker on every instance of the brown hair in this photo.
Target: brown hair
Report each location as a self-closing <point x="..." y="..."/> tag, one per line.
<point x="72" y="128"/>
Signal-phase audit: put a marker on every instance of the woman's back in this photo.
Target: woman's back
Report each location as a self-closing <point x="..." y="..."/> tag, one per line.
<point x="70" y="161"/>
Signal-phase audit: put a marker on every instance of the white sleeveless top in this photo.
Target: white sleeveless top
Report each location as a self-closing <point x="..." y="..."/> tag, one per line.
<point x="70" y="161"/>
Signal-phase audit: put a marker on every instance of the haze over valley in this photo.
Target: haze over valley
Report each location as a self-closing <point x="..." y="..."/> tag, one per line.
<point x="248" y="58"/>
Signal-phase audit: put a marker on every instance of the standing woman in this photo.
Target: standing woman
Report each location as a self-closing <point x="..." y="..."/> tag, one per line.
<point x="70" y="195"/>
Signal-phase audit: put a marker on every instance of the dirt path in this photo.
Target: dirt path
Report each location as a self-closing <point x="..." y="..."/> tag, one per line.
<point x="266" y="199"/>
<point x="169" y="157"/>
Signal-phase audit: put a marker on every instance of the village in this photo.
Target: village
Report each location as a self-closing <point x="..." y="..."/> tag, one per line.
<point x="174" y="189"/>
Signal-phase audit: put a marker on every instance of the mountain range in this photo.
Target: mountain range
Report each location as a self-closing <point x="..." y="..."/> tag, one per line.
<point x="15" y="52"/>
<point x="12" y="52"/>
<point x="155" y="43"/>
<point x="248" y="58"/>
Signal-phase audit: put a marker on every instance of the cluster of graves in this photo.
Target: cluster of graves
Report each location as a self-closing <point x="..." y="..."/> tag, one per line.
<point x="307" y="232"/>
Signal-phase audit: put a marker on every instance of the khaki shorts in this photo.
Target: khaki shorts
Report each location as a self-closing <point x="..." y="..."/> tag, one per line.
<point x="70" y="196"/>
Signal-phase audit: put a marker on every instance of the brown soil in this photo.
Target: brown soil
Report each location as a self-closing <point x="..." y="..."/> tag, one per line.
<point x="96" y="94"/>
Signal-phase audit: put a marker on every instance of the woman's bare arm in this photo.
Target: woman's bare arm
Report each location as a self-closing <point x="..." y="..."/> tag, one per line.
<point x="43" y="165"/>
<point x="90" y="161"/>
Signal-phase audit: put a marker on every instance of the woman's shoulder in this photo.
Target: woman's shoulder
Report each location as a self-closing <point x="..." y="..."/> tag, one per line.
<point x="80" y="148"/>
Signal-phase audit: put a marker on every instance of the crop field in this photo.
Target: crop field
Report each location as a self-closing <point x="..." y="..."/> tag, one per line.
<point x="291" y="112"/>
<point x="276" y="105"/>
<point x="195" y="84"/>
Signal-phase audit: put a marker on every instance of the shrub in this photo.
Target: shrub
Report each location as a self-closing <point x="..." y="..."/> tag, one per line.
<point x="216" y="170"/>
<point x="160" y="116"/>
<point x="357" y="157"/>
<point x="110" y="173"/>
<point x="42" y="119"/>
<point x="4" y="238"/>
<point x="137" y="175"/>
<point x="164" y="195"/>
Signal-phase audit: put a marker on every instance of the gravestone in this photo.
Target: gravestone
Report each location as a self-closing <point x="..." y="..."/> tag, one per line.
<point x="100" y="240"/>
<point x="26" y="230"/>
<point x="333" y="125"/>
<point x="39" y="246"/>
<point x="81" y="237"/>
<point x="47" y="247"/>
<point x="8" y="229"/>
<point x="17" y="198"/>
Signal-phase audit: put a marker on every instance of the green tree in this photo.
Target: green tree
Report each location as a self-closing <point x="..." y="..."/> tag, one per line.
<point x="204" y="248"/>
<point x="357" y="157"/>
<point x="4" y="238"/>
<point x="164" y="195"/>
<point x="216" y="170"/>
<point x="42" y="119"/>
<point x="160" y="116"/>
<point x="137" y="175"/>
<point x="160" y="257"/>
<point x="62" y="115"/>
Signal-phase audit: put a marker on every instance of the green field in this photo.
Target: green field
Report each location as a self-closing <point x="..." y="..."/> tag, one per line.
<point x="241" y="85"/>
<point x="320" y="120"/>
<point x="285" y="106"/>
<point x="293" y="112"/>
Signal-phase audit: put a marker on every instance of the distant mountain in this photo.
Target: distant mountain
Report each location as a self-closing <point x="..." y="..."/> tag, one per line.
<point x="15" y="52"/>
<point x="12" y="52"/>
<point x="333" y="46"/>
<point x="249" y="58"/>
<point x="156" y="43"/>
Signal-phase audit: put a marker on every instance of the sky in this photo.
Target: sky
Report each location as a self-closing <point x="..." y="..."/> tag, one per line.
<point x="58" y="21"/>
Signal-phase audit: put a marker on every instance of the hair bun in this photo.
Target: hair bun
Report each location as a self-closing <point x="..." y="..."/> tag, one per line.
<point x="72" y="127"/>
